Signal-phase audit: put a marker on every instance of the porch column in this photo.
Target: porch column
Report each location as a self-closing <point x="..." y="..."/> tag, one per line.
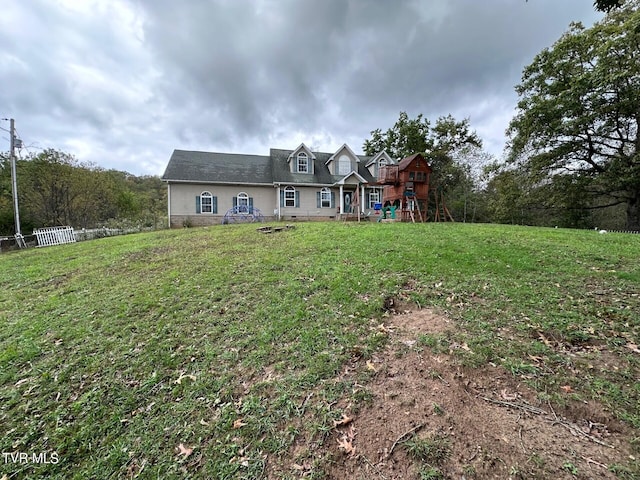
<point x="362" y="198"/>
<point x="278" y="201"/>
<point x="169" y="202"/>
<point x="341" y="199"/>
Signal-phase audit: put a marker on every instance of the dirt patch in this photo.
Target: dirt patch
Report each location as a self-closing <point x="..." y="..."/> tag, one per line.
<point x="478" y="423"/>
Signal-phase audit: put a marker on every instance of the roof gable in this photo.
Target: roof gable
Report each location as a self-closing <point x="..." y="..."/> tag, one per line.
<point x="355" y="174"/>
<point x="408" y="161"/>
<point x="343" y="148"/>
<point x="301" y="148"/>
<point x="381" y="155"/>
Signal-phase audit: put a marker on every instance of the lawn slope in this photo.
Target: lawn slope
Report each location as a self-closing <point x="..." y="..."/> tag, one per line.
<point x="207" y="353"/>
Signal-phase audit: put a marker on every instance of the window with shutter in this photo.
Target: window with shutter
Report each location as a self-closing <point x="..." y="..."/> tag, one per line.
<point x="206" y="202"/>
<point x="289" y="196"/>
<point x="325" y="198"/>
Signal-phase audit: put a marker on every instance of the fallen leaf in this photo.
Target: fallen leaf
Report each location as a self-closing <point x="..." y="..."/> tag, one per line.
<point x="508" y="396"/>
<point x="371" y="366"/>
<point x="346" y="444"/>
<point x="244" y="461"/>
<point x="544" y="339"/>
<point x="566" y="389"/>
<point x="182" y="377"/>
<point x="343" y="421"/>
<point x="202" y="422"/>
<point x="182" y="450"/>
<point x="238" y="423"/>
<point x="536" y="359"/>
<point x="464" y="346"/>
<point x="633" y="347"/>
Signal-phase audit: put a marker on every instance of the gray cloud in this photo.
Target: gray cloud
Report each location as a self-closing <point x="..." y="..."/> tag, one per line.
<point x="123" y="83"/>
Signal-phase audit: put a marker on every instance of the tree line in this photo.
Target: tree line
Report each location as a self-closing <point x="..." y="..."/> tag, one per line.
<point x="54" y="188"/>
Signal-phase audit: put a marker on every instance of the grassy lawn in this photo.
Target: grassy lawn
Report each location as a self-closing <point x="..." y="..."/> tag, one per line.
<point x="205" y="353"/>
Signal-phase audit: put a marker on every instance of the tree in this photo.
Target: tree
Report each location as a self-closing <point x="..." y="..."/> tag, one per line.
<point x="45" y="184"/>
<point x="508" y="197"/>
<point x="471" y="197"/>
<point x="406" y="137"/>
<point x="607" y="5"/>
<point x="409" y="136"/>
<point x="56" y="189"/>
<point x="578" y="115"/>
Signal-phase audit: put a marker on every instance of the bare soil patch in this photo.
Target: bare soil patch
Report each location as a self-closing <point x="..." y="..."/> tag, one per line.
<point x="491" y="424"/>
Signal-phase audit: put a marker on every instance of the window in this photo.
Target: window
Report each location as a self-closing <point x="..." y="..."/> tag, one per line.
<point x="303" y="163"/>
<point x="206" y="203"/>
<point x="325" y="198"/>
<point x="344" y="165"/>
<point x="421" y="176"/>
<point x="374" y="197"/>
<point x="289" y="197"/>
<point x="409" y="190"/>
<point x="242" y="202"/>
<point x="243" y="199"/>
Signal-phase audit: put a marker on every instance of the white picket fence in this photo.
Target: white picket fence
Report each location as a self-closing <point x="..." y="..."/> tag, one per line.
<point x="54" y="236"/>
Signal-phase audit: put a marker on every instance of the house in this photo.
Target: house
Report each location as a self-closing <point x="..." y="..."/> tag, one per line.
<point x="284" y="185"/>
<point x="406" y="186"/>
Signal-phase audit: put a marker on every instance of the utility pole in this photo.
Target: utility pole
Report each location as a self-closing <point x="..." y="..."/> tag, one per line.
<point x="14" y="183"/>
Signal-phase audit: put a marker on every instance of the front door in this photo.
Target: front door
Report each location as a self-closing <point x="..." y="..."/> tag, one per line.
<point x="347" y="202"/>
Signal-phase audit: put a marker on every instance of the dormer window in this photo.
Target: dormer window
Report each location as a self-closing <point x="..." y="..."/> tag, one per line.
<point x="344" y="165"/>
<point x="301" y="160"/>
<point x="302" y="163"/>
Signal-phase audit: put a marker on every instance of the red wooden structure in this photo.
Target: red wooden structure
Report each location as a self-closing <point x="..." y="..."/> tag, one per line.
<point x="406" y="186"/>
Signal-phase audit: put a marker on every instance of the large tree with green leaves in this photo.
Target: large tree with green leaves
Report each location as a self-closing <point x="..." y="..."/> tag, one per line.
<point x="579" y="113"/>
<point x="416" y="135"/>
<point x="607" y="5"/>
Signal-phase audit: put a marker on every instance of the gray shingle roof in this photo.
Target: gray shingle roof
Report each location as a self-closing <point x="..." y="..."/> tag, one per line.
<point x="207" y="167"/>
<point x="188" y="166"/>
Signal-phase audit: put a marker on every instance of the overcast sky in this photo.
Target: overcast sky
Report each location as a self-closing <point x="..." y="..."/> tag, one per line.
<point x="122" y="83"/>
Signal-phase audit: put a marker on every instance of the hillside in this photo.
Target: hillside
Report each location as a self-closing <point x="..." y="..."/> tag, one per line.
<point x="330" y="350"/>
